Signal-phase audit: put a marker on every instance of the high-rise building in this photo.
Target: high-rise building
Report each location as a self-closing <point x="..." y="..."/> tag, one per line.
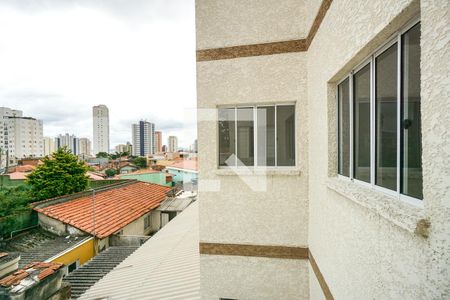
<point x="172" y="143"/>
<point x="143" y="135"/>
<point x="121" y="148"/>
<point x="49" y="146"/>
<point x="85" y="147"/>
<point x="100" y="115"/>
<point x="158" y="141"/>
<point x="70" y="141"/>
<point x="21" y="137"/>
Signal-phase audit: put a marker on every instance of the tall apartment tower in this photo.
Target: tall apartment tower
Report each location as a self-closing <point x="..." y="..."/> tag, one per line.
<point x="143" y="135"/>
<point x="158" y="141"/>
<point x="172" y="143"/>
<point x="21" y="136"/>
<point x="100" y="114"/>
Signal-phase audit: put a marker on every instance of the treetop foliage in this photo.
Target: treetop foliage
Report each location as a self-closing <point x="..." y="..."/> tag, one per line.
<point x="59" y="175"/>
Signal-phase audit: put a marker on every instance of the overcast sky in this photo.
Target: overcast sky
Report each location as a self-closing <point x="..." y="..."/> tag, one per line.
<point x="58" y="58"/>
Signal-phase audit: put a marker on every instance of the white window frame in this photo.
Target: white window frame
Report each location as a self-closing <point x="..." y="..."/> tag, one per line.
<point x="255" y="135"/>
<point x="395" y="38"/>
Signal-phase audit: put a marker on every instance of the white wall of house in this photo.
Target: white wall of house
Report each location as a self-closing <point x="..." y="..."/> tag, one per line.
<point x="137" y="227"/>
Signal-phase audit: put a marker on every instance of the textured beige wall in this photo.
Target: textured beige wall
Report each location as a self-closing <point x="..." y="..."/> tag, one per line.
<point x="223" y="23"/>
<point x="362" y="239"/>
<point x="235" y="213"/>
<point x="237" y="277"/>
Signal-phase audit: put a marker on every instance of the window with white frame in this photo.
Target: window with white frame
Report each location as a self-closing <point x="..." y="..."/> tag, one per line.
<point x="379" y="122"/>
<point x="262" y="135"/>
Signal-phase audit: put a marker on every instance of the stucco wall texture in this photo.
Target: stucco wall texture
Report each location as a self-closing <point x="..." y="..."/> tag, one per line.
<point x="366" y="247"/>
<point x="363" y="240"/>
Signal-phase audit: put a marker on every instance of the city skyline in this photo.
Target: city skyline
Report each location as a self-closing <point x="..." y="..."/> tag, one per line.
<point x="60" y="80"/>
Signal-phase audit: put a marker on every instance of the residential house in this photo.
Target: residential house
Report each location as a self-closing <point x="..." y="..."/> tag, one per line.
<point x="150" y="176"/>
<point x="124" y="209"/>
<point x="185" y="171"/>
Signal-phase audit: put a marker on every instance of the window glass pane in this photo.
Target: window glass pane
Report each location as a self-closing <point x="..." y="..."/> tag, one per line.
<point x="411" y="184"/>
<point x="344" y="127"/>
<point x="361" y="83"/>
<point x="227" y="136"/>
<point x="386" y="118"/>
<point x="266" y="136"/>
<point x="286" y="135"/>
<point x="245" y="152"/>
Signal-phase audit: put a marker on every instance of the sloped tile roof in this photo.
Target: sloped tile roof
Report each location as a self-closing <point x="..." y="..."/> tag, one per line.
<point x="114" y="209"/>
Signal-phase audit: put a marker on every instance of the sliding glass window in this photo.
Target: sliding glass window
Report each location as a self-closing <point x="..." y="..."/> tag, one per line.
<point x="257" y="136"/>
<point x="361" y="121"/>
<point x="384" y="118"/>
<point x="227" y="136"/>
<point x="344" y="127"/>
<point x="411" y="138"/>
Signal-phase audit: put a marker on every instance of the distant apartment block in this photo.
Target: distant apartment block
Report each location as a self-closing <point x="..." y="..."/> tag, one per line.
<point x="121" y="148"/>
<point x="101" y="128"/>
<point x="143" y="134"/>
<point x="172" y="143"/>
<point x="70" y="141"/>
<point x="158" y="141"/>
<point x="85" y="147"/>
<point x="49" y="145"/>
<point x="21" y="136"/>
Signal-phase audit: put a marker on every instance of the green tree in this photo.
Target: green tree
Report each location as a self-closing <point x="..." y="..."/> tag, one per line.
<point x="140" y="162"/>
<point x="60" y="175"/>
<point x="102" y="155"/>
<point x="110" y="172"/>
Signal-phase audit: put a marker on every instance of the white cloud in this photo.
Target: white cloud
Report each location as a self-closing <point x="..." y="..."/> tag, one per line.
<point x="59" y="58"/>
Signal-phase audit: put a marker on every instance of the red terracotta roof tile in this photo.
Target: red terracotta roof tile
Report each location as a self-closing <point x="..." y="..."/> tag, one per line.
<point x="45" y="273"/>
<point x="114" y="209"/>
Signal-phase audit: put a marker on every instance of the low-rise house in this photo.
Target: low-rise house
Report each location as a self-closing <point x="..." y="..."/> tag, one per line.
<point x="40" y="245"/>
<point x="150" y="176"/>
<point x="127" y="208"/>
<point x="173" y="206"/>
<point x="127" y="168"/>
<point x="37" y="280"/>
<point x="185" y="171"/>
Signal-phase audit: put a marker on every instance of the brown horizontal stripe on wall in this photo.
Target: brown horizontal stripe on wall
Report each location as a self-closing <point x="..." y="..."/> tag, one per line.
<point x="267" y="48"/>
<point x="254" y="250"/>
<point x="252" y="50"/>
<point x="323" y="284"/>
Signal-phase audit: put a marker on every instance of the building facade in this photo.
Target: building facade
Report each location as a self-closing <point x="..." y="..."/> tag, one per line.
<point x="158" y="141"/>
<point x="70" y="141"/>
<point x="323" y="149"/>
<point x="100" y="115"/>
<point x="143" y="135"/>
<point x="172" y="144"/>
<point x="20" y="136"/>
<point x="85" y="147"/>
<point x="121" y="148"/>
<point x="49" y="146"/>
